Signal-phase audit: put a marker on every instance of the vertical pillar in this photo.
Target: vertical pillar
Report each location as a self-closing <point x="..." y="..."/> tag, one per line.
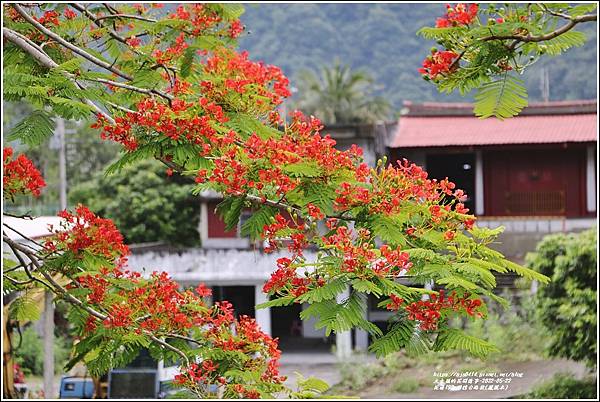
<point x="361" y="337"/>
<point x="590" y="179"/>
<point x="428" y="286"/>
<point x="343" y="340"/>
<point x="479" y="201"/>
<point x="263" y="315"/>
<point x="62" y="162"/>
<point x="203" y="223"/>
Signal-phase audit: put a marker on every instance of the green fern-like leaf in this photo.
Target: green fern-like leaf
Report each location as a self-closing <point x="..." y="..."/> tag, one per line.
<point x="326" y="292"/>
<point x="437" y="33"/>
<point x="389" y="229"/>
<point x="312" y="384"/>
<point x="246" y="125"/>
<point x="567" y="40"/>
<point x="34" y="129"/>
<point x="278" y="302"/>
<point x="457" y="282"/>
<point x="365" y="286"/>
<point x="525" y="272"/>
<point x="230" y="210"/>
<point x="187" y="61"/>
<point x="341" y="317"/>
<point x="502" y="98"/>
<point x="143" y="152"/>
<point x="253" y="227"/>
<point x="477" y="273"/>
<point x="232" y="11"/>
<point x="24" y="309"/>
<point x="319" y="195"/>
<point x="488" y="265"/>
<point x="402" y="335"/>
<point x="454" y="339"/>
<point x="302" y="169"/>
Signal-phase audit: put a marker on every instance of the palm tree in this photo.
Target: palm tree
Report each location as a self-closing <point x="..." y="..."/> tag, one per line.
<point x="339" y="95"/>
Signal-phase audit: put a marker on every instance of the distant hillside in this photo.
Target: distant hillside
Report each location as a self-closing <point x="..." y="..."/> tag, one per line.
<point x="381" y="38"/>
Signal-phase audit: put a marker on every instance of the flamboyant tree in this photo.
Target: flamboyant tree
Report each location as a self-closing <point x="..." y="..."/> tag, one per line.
<point x="171" y="86"/>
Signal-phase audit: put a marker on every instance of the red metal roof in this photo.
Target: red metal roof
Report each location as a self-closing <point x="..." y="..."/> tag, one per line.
<point x="430" y="126"/>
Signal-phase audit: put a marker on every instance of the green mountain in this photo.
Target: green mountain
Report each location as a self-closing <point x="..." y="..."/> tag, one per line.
<point x="381" y="38"/>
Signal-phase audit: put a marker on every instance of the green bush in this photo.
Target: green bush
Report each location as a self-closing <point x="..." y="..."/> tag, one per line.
<point x="29" y="352"/>
<point x="565" y="386"/>
<point x="145" y="203"/>
<point x="567" y="305"/>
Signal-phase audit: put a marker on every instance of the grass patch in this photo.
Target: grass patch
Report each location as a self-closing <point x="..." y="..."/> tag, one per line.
<point x="406" y="385"/>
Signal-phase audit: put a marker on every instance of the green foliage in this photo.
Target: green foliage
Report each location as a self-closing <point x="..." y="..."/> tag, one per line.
<point x="565" y="386"/>
<point x="401" y="335"/>
<point x="253" y="227"/>
<point x="340" y="317"/>
<point x="30" y="351"/>
<point x="454" y="339"/>
<point x="246" y="125"/>
<point x="309" y="388"/>
<point x="502" y="98"/>
<point x="567" y="305"/>
<point x="386" y="228"/>
<point x="326" y="292"/>
<point x="556" y="46"/>
<point x="34" y="129"/>
<point x="145" y="203"/>
<point x="230" y="210"/>
<point x="24" y="309"/>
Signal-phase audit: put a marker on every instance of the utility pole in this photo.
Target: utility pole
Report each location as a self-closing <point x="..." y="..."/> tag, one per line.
<point x="48" y="315"/>
<point x="62" y="162"/>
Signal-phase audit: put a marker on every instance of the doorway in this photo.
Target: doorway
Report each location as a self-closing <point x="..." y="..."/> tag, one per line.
<point x="459" y="168"/>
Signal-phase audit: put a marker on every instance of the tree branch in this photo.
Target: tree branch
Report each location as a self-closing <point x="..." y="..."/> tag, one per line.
<point x="80" y="51"/>
<point x="59" y="39"/>
<point x="38" y="54"/>
<point x="96" y="20"/>
<point x="127" y="16"/>
<point x="542" y="38"/>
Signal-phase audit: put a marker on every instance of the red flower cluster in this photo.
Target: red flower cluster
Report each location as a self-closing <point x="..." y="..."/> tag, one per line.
<point x="200" y="16"/>
<point x="83" y="231"/>
<point x="20" y="176"/>
<point x="439" y="64"/>
<point x="461" y="14"/>
<point x="391" y="188"/>
<point x="69" y="13"/>
<point x="315" y="212"/>
<point x="429" y="312"/>
<point x="300" y="144"/>
<point x="240" y="75"/>
<point x="157" y="306"/>
<point x="49" y="17"/>
<point x="173" y="122"/>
